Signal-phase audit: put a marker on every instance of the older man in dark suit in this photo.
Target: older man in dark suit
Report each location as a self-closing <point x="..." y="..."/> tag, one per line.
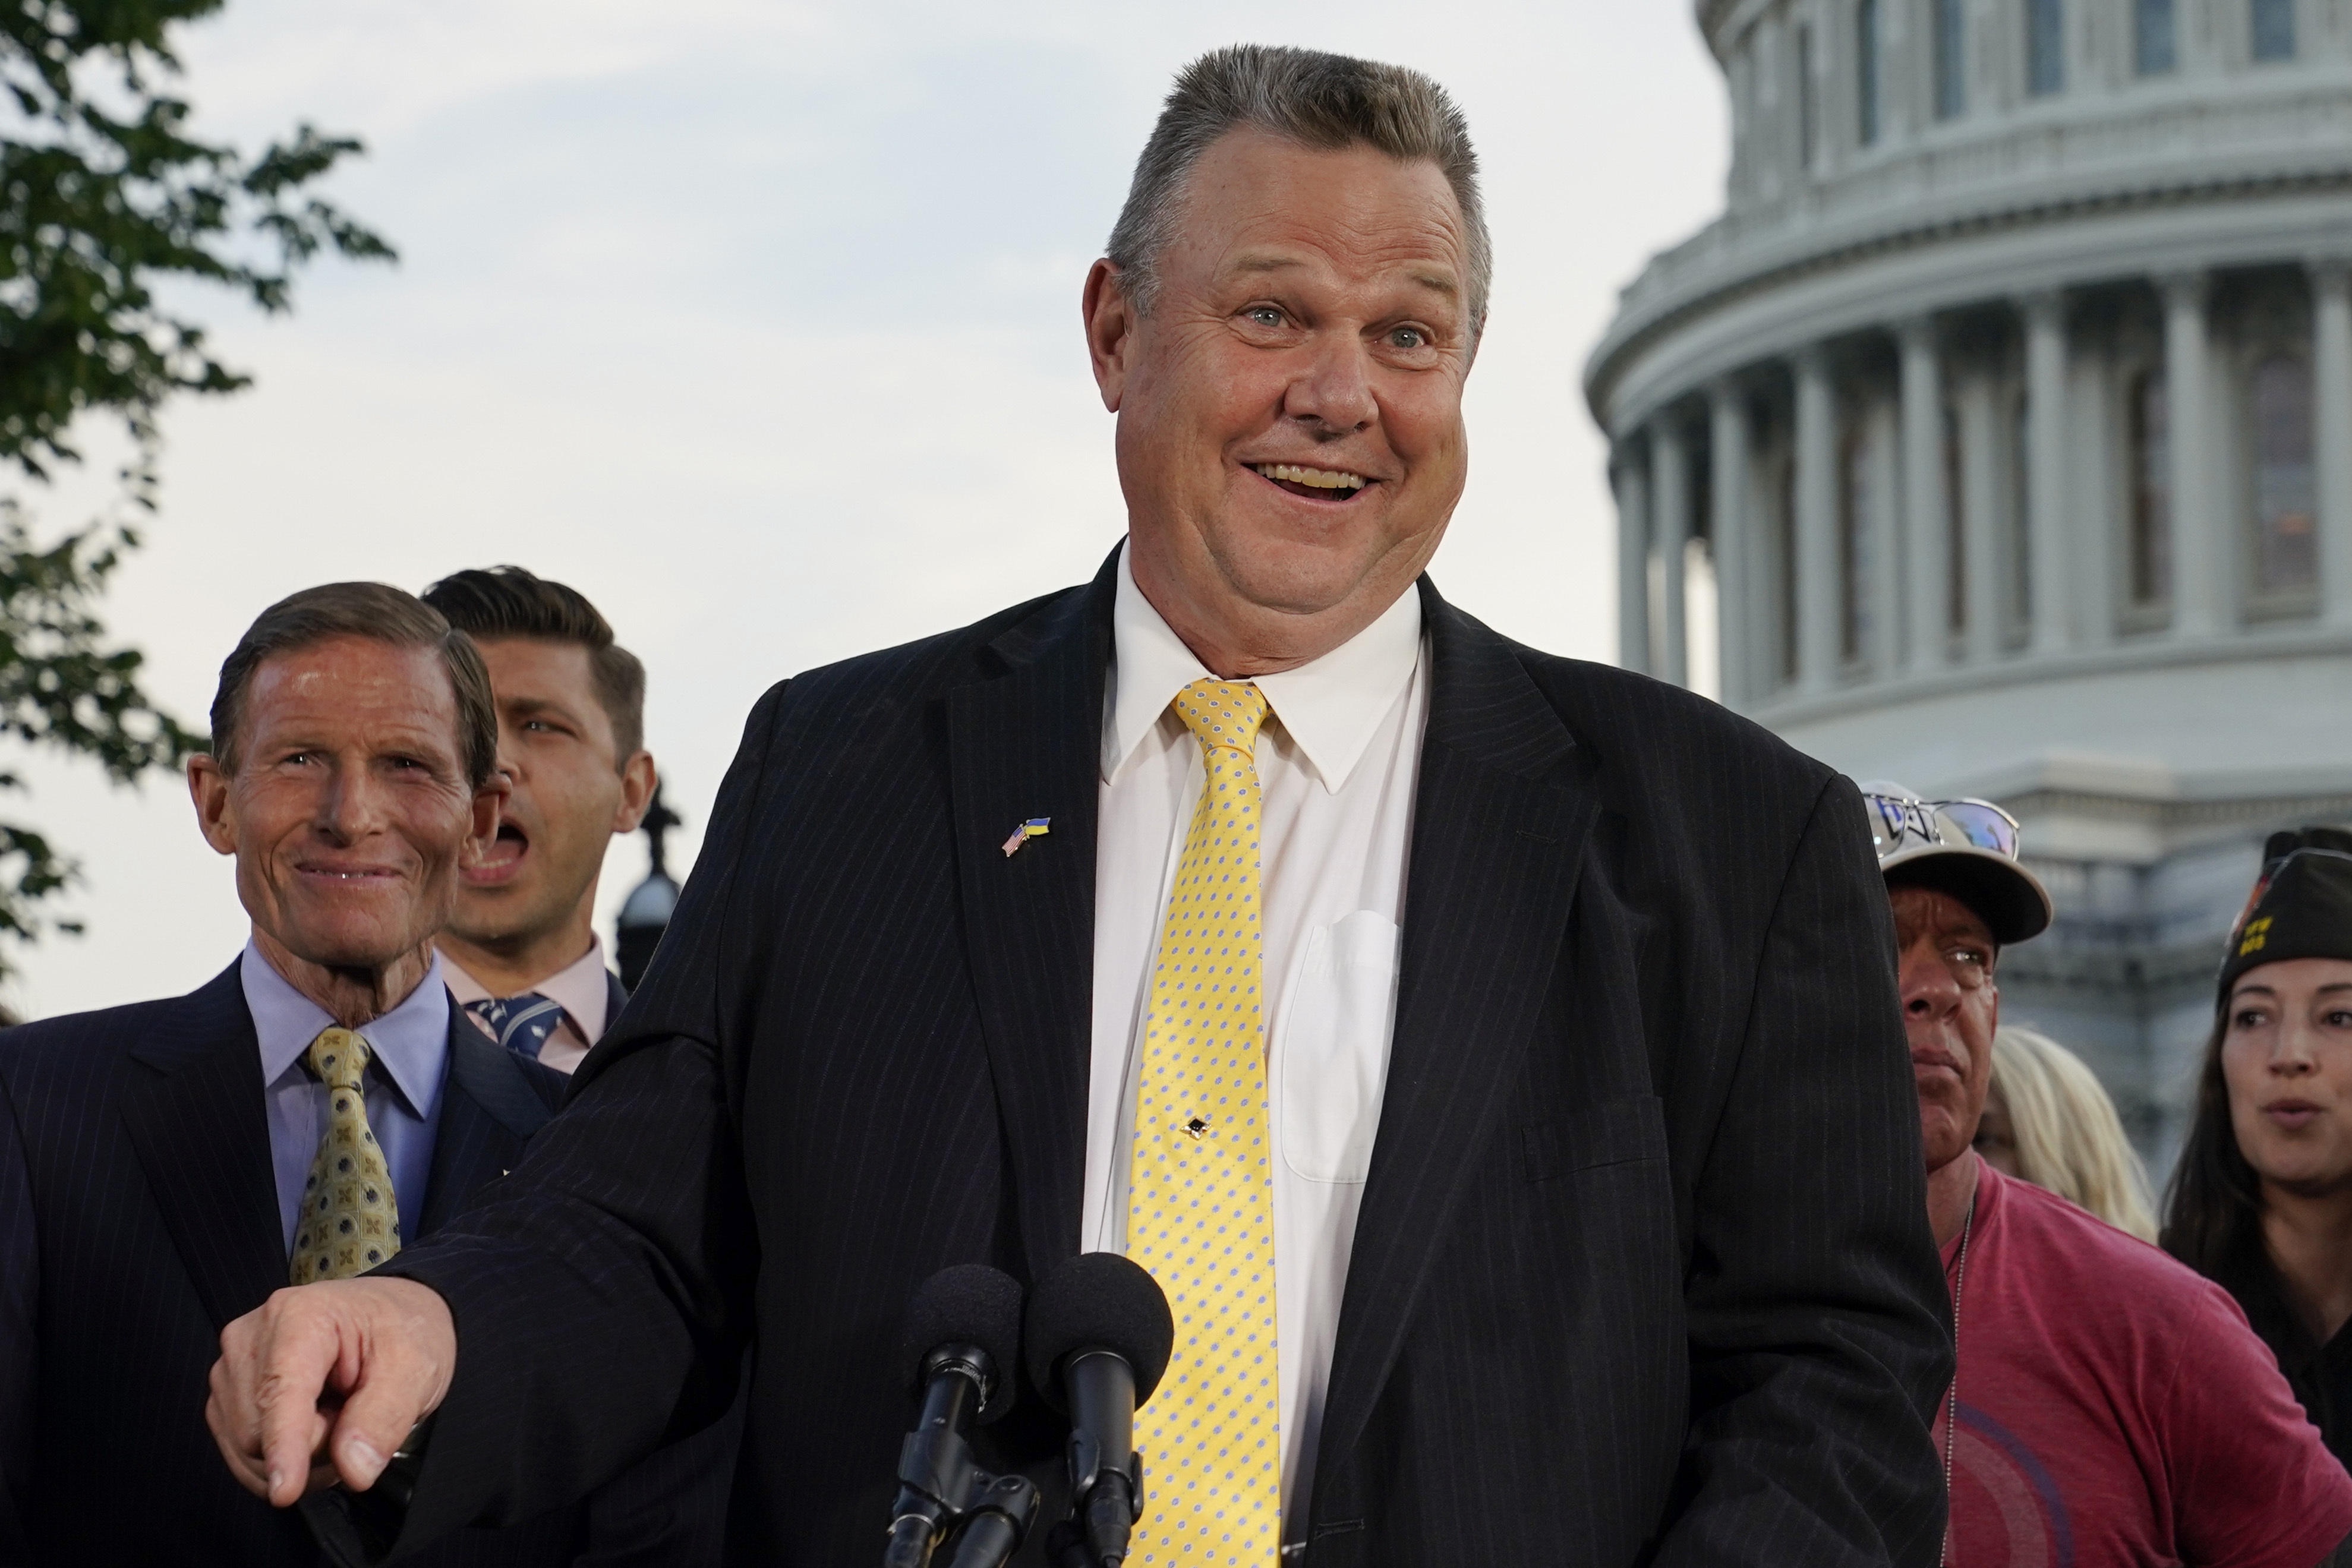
<point x="1530" y="1028"/>
<point x="165" y="1166"/>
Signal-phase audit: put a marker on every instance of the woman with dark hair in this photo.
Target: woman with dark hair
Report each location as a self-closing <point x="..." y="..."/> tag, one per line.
<point x="2262" y="1200"/>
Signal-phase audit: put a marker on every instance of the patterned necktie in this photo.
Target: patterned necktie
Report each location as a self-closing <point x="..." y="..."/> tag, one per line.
<point x="523" y="1024"/>
<point x="1200" y="1197"/>
<point x="350" y="1220"/>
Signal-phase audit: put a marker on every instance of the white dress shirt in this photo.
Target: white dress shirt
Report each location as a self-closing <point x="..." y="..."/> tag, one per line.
<point x="1337" y="762"/>
<point x="410" y="1046"/>
<point x="583" y="988"/>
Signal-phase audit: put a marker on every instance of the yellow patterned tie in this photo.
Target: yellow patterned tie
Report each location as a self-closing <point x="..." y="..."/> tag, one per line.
<point x="1199" y="1210"/>
<point x="349" y="1222"/>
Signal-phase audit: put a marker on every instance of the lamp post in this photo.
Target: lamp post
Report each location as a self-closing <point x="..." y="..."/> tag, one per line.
<point x="645" y="912"/>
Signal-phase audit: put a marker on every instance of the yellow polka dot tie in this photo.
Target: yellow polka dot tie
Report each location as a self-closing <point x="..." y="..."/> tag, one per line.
<point x="1199" y="1210"/>
<point x="349" y="1222"/>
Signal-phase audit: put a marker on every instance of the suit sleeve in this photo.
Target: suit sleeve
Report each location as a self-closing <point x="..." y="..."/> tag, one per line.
<point x="20" y="1297"/>
<point x="670" y="1507"/>
<point x="1818" y="1320"/>
<point x="622" y="1244"/>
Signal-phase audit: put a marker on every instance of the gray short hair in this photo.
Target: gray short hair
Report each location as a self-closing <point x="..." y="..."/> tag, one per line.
<point x="1317" y="100"/>
<point x="376" y="612"/>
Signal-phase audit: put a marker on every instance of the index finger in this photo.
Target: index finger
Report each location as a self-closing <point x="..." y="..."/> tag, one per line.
<point x="295" y="1363"/>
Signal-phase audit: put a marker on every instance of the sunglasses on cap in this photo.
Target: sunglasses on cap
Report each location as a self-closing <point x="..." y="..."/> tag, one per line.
<point x="1897" y="821"/>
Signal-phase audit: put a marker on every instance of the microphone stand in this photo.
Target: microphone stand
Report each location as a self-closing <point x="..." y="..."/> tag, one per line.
<point x="997" y="1522"/>
<point x="941" y="1489"/>
<point x="1106" y="1472"/>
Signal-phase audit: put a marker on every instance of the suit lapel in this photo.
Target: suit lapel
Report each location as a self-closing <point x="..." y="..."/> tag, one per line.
<point x="1498" y="836"/>
<point x="192" y="1104"/>
<point x="488" y="1112"/>
<point x="1028" y="743"/>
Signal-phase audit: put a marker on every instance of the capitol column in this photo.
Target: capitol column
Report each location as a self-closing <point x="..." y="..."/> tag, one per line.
<point x="1670" y="529"/>
<point x="1927" y="510"/>
<point x="2331" y="290"/>
<point x="2052" y="589"/>
<point x="1819" y="616"/>
<point x="1632" y="476"/>
<point x="2201" y="567"/>
<point x="1727" y="458"/>
<point x="1982" y="597"/>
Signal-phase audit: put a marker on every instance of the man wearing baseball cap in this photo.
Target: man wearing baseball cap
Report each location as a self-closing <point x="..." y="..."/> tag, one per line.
<point x="2109" y="1406"/>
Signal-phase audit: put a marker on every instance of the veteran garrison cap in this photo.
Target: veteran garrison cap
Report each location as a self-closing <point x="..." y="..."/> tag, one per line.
<point x="2302" y="906"/>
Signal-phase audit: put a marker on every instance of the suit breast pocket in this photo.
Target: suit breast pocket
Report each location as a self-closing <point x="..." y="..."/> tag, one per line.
<point x="1617" y="1132"/>
<point x="1333" y="1051"/>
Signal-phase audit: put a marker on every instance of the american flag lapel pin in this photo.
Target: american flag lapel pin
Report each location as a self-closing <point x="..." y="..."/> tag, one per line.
<point x="1035" y="827"/>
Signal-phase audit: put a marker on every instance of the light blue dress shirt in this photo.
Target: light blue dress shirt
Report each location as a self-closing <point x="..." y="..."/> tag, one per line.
<point x="411" y="1044"/>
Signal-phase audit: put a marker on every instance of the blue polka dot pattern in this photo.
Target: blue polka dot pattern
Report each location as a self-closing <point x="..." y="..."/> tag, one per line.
<point x="1200" y="1190"/>
<point x="349" y="1222"/>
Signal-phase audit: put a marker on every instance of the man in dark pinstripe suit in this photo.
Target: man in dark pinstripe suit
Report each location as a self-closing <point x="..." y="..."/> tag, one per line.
<point x="1593" y="1174"/>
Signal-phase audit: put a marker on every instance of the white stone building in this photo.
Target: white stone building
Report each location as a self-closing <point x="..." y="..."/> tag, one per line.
<point x="2009" y="408"/>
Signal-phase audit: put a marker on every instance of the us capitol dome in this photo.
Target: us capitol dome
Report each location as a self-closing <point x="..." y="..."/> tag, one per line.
<point x="2007" y="410"/>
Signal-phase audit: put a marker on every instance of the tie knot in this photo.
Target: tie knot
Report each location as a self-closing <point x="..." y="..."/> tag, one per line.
<point x="338" y="1057"/>
<point x="1223" y="713"/>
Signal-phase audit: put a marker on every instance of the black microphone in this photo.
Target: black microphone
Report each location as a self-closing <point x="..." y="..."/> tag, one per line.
<point x="962" y="1334"/>
<point x="1097" y="1340"/>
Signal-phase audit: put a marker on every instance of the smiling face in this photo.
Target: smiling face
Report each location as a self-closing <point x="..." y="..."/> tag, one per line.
<point x="1950" y="1009"/>
<point x="2286" y="1057"/>
<point x="570" y="795"/>
<point x="350" y="813"/>
<point x="1290" y="437"/>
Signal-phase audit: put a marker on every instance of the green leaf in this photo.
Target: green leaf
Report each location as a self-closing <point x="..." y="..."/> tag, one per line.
<point x="104" y="193"/>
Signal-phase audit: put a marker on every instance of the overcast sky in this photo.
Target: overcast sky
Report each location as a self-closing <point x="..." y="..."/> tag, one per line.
<point x="758" y="323"/>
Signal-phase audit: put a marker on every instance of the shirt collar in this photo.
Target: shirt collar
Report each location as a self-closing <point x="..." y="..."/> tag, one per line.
<point x="1329" y="705"/>
<point x="410" y="1042"/>
<point x="583" y="988"/>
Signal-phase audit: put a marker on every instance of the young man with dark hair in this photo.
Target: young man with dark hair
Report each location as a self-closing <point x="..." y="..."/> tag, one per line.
<point x="521" y="952"/>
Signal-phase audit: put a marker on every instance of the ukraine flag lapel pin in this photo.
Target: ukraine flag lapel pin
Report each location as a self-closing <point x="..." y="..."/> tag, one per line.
<point x="1034" y="828"/>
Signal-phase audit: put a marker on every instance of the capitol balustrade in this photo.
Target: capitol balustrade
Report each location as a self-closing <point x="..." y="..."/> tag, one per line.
<point x="2003" y="490"/>
<point x="1862" y="124"/>
<point x="2194" y="140"/>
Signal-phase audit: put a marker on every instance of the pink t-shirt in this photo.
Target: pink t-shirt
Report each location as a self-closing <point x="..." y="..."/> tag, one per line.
<point x="2115" y="1410"/>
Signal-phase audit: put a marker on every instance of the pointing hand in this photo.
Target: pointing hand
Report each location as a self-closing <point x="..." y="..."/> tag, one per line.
<point x="323" y="1382"/>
